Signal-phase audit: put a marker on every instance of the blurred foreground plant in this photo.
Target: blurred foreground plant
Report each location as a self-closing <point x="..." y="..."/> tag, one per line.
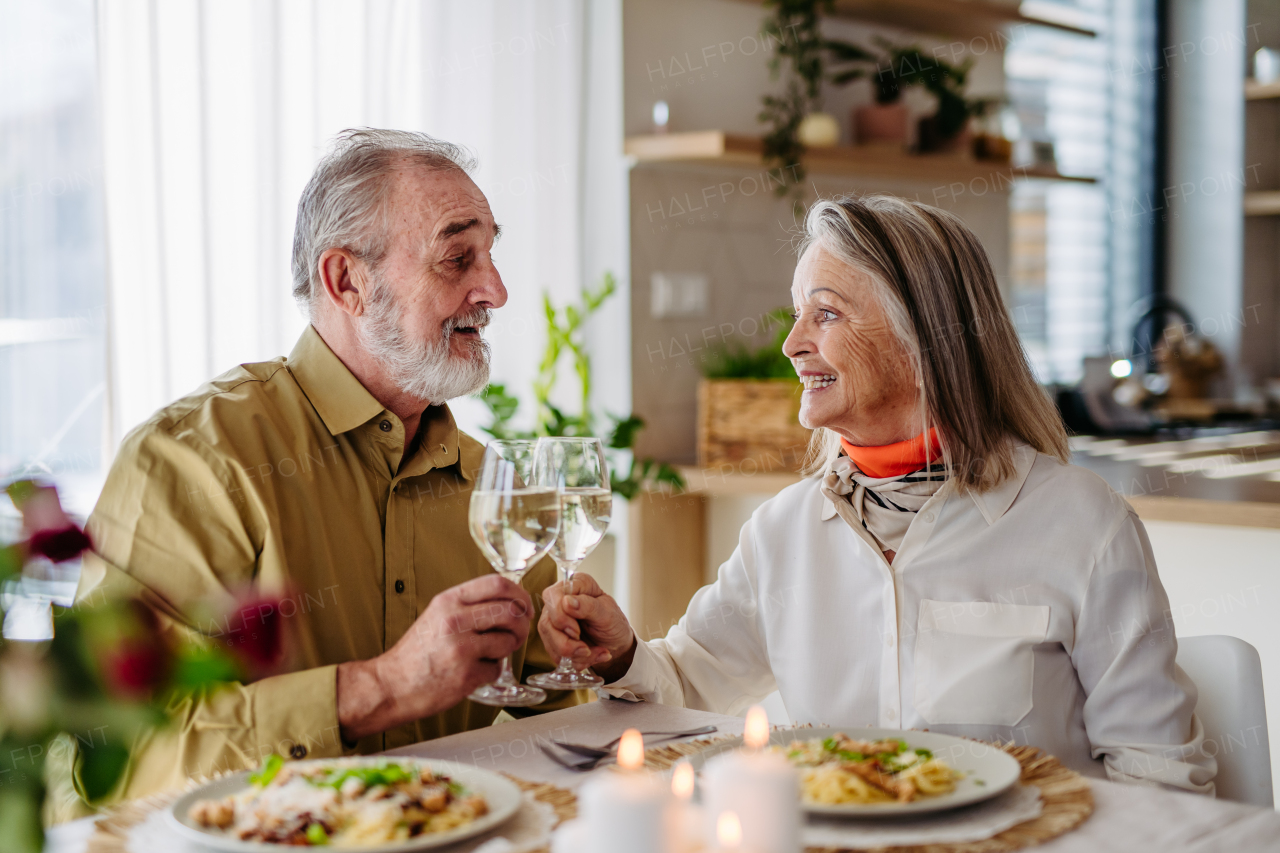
<point x="107" y="675"/>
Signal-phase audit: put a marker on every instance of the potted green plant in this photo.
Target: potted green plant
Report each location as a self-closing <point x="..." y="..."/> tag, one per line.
<point x="793" y="29"/>
<point x="795" y="118"/>
<point x="896" y="68"/>
<point x="748" y="406"/>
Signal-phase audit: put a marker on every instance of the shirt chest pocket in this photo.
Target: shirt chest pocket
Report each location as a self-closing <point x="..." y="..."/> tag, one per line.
<point x="975" y="661"/>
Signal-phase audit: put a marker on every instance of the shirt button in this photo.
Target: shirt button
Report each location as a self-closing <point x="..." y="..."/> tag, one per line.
<point x="385" y="426"/>
<point x="891" y="715"/>
<point x="928" y="517"/>
<point x="399" y="586"/>
<point x="298" y="751"/>
<point x="888" y="640"/>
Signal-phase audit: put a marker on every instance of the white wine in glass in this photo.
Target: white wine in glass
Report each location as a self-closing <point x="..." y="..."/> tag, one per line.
<point x="577" y="469"/>
<point x="515" y="521"/>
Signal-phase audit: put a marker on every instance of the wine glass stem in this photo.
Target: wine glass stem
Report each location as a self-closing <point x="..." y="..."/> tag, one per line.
<point x="568" y="568"/>
<point x="506" y="678"/>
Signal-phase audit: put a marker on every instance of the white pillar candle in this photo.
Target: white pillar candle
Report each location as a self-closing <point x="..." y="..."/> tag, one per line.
<point x="625" y="812"/>
<point x="760" y="787"/>
<point x="685" y="818"/>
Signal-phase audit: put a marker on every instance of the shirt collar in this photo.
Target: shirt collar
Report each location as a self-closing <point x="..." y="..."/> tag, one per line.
<point x="344" y="404"/>
<point x="338" y="397"/>
<point x="996" y="502"/>
<point x="992" y="504"/>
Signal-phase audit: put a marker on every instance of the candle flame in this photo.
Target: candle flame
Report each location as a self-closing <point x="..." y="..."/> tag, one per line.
<point x="729" y="831"/>
<point x="682" y="780"/>
<point x="631" y="750"/>
<point x="756" y="732"/>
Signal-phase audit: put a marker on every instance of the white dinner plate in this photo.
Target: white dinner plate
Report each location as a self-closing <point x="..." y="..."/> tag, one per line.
<point x="502" y="795"/>
<point x="987" y="771"/>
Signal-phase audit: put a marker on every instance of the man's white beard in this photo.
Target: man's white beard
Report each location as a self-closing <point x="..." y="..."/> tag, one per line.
<point x="421" y="368"/>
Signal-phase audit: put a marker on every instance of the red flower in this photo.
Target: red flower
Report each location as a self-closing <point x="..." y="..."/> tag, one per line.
<point x="135" y="668"/>
<point x="53" y="534"/>
<point x="60" y="545"/>
<point x="134" y="655"/>
<point x="255" y="633"/>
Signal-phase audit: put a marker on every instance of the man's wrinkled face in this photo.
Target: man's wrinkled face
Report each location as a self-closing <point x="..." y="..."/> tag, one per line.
<point x="434" y="292"/>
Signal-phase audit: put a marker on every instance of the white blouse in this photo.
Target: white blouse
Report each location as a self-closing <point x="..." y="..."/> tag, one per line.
<point x="1031" y="613"/>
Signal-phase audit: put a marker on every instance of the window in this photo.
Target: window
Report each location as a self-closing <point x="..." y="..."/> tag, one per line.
<point x="1077" y="265"/>
<point x="52" y="271"/>
<point x="52" y="281"/>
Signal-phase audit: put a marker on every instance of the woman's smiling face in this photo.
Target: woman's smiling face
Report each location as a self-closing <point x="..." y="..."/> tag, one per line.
<point x="858" y="379"/>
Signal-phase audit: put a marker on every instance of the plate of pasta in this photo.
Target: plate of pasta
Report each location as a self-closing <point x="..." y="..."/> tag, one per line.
<point x="387" y="805"/>
<point x="865" y="772"/>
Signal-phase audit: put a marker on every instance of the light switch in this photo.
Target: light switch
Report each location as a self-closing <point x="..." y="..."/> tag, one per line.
<point x="678" y="294"/>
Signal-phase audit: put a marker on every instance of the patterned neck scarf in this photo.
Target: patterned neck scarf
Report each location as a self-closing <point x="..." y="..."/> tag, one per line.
<point x="886" y="505"/>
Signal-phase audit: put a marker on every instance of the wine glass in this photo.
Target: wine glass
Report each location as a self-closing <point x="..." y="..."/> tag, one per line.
<point x="576" y="468"/>
<point x="514" y="520"/>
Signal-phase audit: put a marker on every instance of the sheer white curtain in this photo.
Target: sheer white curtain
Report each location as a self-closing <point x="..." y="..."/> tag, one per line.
<point x="215" y="113"/>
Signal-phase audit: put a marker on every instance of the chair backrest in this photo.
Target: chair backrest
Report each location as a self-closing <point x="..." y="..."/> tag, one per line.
<point x="1228" y="674"/>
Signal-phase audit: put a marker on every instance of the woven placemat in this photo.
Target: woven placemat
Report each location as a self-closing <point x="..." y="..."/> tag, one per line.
<point x="1065" y="794"/>
<point x="111" y="830"/>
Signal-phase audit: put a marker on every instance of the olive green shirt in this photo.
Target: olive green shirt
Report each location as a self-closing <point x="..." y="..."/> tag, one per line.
<point x="285" y="478"/>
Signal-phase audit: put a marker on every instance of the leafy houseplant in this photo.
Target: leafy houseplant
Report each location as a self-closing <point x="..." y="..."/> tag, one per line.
<point x="107" y="675"/>
<point x="748" y="403"/>
<point x="564" y="337"/>
<point x="793" y="27"/>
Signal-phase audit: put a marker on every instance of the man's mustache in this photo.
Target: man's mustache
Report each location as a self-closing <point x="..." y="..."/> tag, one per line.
<point x="475" y="319"/>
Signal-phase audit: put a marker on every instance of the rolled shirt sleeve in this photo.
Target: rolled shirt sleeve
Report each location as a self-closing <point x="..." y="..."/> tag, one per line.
<point x="714" y="658"/>
<point x="1139" y="711"/>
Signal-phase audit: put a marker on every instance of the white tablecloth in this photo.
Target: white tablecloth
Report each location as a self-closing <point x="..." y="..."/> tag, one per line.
<point x="1126" y="818"/>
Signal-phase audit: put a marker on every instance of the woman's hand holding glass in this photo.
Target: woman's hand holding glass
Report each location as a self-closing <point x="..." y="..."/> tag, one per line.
<point x="576" y="469"/>
<point x="580" y="622"/>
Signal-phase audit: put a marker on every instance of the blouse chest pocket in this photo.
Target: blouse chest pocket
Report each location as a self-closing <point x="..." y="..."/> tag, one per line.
<point x="975" y="661"/>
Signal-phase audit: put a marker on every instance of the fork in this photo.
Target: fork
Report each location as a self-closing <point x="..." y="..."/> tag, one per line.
<point x="607" y="749"/>
<point x="571" y="761"/>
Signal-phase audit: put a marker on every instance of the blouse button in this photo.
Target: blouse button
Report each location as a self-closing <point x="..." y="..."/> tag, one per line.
<point x="928" y="517"/>
<point x="385" y="426"/>
<point x="891" y="715"/>
<point x="399" y="586"/>
<point x="888" y="640"/>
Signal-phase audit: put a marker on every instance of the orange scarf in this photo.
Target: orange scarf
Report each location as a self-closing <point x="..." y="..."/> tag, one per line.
<point x="897" y="459"/>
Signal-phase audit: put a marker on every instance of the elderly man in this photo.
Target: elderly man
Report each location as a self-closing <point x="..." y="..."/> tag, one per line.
<point x="337" y="478"/>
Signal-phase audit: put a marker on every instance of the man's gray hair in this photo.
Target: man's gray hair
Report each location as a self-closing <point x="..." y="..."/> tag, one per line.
<point x="344" y="205"/>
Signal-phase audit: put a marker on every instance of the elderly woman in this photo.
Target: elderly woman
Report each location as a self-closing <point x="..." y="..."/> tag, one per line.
<point x="943" y="567"/>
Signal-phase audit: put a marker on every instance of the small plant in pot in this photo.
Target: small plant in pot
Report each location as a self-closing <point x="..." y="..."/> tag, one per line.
<point x="748" y="406"/>
<point x="895" y="69"/>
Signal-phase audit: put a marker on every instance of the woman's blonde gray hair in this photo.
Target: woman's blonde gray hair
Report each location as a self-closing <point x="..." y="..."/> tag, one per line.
<point x="940" y="295"/>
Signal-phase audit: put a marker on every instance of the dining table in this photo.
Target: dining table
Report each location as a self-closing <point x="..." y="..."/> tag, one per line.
<point x="1125" y="818"/>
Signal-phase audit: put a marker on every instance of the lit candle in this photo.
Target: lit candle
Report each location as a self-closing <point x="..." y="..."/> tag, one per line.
<point x="760" y="788"/>
<point x="728" y="832"/>
<point x="685" y="818"/>
<point x="625" y="812"/>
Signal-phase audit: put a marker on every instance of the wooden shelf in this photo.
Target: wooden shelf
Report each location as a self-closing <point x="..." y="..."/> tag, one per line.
<point x="1262" y="203"/>
<point x="718" y="147"/>
<point x="1255" y="91"/>
<point x="968" y="18"/>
